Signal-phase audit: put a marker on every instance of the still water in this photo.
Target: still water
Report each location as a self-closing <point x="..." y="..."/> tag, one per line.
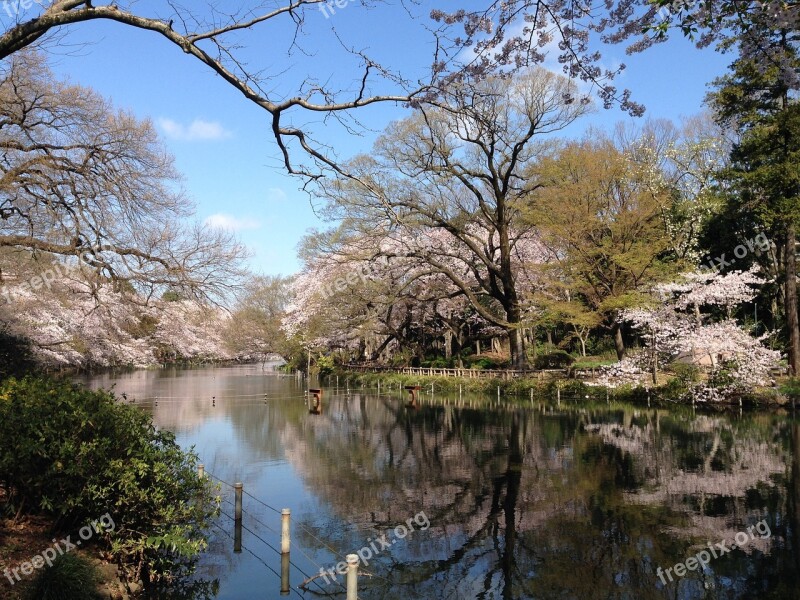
<point x="479" y="499"/>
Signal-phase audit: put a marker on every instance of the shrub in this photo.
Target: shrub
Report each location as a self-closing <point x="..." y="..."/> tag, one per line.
<point x="791" y="387"/>
<point x="685" y="373"/>
<point x="76" y="454"/>
<point x="325" y="365"/>
<point x="71" y="577"/>
<point x="557" y="359"/>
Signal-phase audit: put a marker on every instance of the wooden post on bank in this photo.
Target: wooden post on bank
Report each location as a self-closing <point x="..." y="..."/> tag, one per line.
<point x="201" y="471"/>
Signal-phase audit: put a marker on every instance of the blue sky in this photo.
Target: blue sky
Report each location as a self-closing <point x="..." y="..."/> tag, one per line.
<point x="222" y="143"/>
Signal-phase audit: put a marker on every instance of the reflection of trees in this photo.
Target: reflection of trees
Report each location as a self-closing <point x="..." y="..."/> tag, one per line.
<point x="578" y="503"/>
<point x="796" y="494"/>
<point x="524" y="504"/>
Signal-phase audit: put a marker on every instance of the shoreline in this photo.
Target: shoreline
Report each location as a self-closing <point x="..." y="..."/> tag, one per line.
<point x="572" y="389"/>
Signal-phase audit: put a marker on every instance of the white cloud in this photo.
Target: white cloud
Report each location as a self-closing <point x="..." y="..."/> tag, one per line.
<point x="197" y="130"/>
<point x="229" y="222"/>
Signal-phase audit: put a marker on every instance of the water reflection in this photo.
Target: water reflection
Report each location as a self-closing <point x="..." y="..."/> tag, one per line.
<point x="524" y="500"/>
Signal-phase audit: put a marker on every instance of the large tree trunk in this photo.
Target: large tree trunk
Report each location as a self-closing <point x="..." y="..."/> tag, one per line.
<point x="517" y="347"/>
<point x="516" y="342"/>
<point x="619" y="343"/>
<point x="790" y="293"/>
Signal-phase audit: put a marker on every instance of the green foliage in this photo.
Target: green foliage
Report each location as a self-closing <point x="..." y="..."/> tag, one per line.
<point x="439" y="362"/>
<point x="723" y="377"/>
<point x="684" y="372"/>
<point x="325" y="365"/>
<point x="71" y="577"/>
<point x="593" y="362"/>
<point x="171" y="296"/>
<point x="791" y="387"/>
<point x="76" y="454"/>
<point x="488" y="362"/>
<point x="557" y="359"/>
<point x="674" y="388"/>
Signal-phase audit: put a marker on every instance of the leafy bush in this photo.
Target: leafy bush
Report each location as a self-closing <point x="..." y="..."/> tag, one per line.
<point x="557" y="359"/>
<point x="71" y="577"/>
<point x="685" y="373"/>
<point x="438" y="362"/>
<point x="791" y="387"/>
<point x="76" y="454"/>
<point x="325" y="365"/>
<point x="724" y="376"/>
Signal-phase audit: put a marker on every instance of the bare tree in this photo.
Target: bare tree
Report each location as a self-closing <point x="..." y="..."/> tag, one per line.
<point x="499" y="35"/>
<point x="80" y="180"/>
<point x="255" y="325"/>
<point x="457" y="168"/>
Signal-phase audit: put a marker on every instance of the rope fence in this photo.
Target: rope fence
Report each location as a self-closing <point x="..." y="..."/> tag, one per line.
<point x="286" y="543"/>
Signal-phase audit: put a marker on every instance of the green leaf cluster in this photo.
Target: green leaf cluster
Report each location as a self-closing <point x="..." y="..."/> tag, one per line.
<point x="76" y="455"/>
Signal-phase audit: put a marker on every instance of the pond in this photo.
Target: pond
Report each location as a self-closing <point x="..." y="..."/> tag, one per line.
<point x="474" y="497"/>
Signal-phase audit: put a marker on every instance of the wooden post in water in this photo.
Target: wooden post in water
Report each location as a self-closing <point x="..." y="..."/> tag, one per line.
<point x="412" y="392"/>
<point x="316" y="401"/>
<point x="352" y="577"/>
<point x="201" y="471"/>
<point x="238" y="488"/>
<point x="286" y="540"/>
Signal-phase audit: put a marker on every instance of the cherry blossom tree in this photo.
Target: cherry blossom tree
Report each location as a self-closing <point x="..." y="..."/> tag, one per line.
<point x="675" y="329"/>
<point x="448" y="184"/>
<point x="72" y="322"/>
<point x="370" y="295"/>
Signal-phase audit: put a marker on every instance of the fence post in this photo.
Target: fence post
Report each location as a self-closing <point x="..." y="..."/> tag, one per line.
<point x="238" y="488"/>
<point x="352" y="577"/>
<point x="201" y="471"/>
<point x="237" y="519"/>
<point x="286" y="544"/>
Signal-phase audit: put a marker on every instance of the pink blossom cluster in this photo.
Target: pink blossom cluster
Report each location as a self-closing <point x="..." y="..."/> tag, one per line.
<point x="676" y="329"/>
